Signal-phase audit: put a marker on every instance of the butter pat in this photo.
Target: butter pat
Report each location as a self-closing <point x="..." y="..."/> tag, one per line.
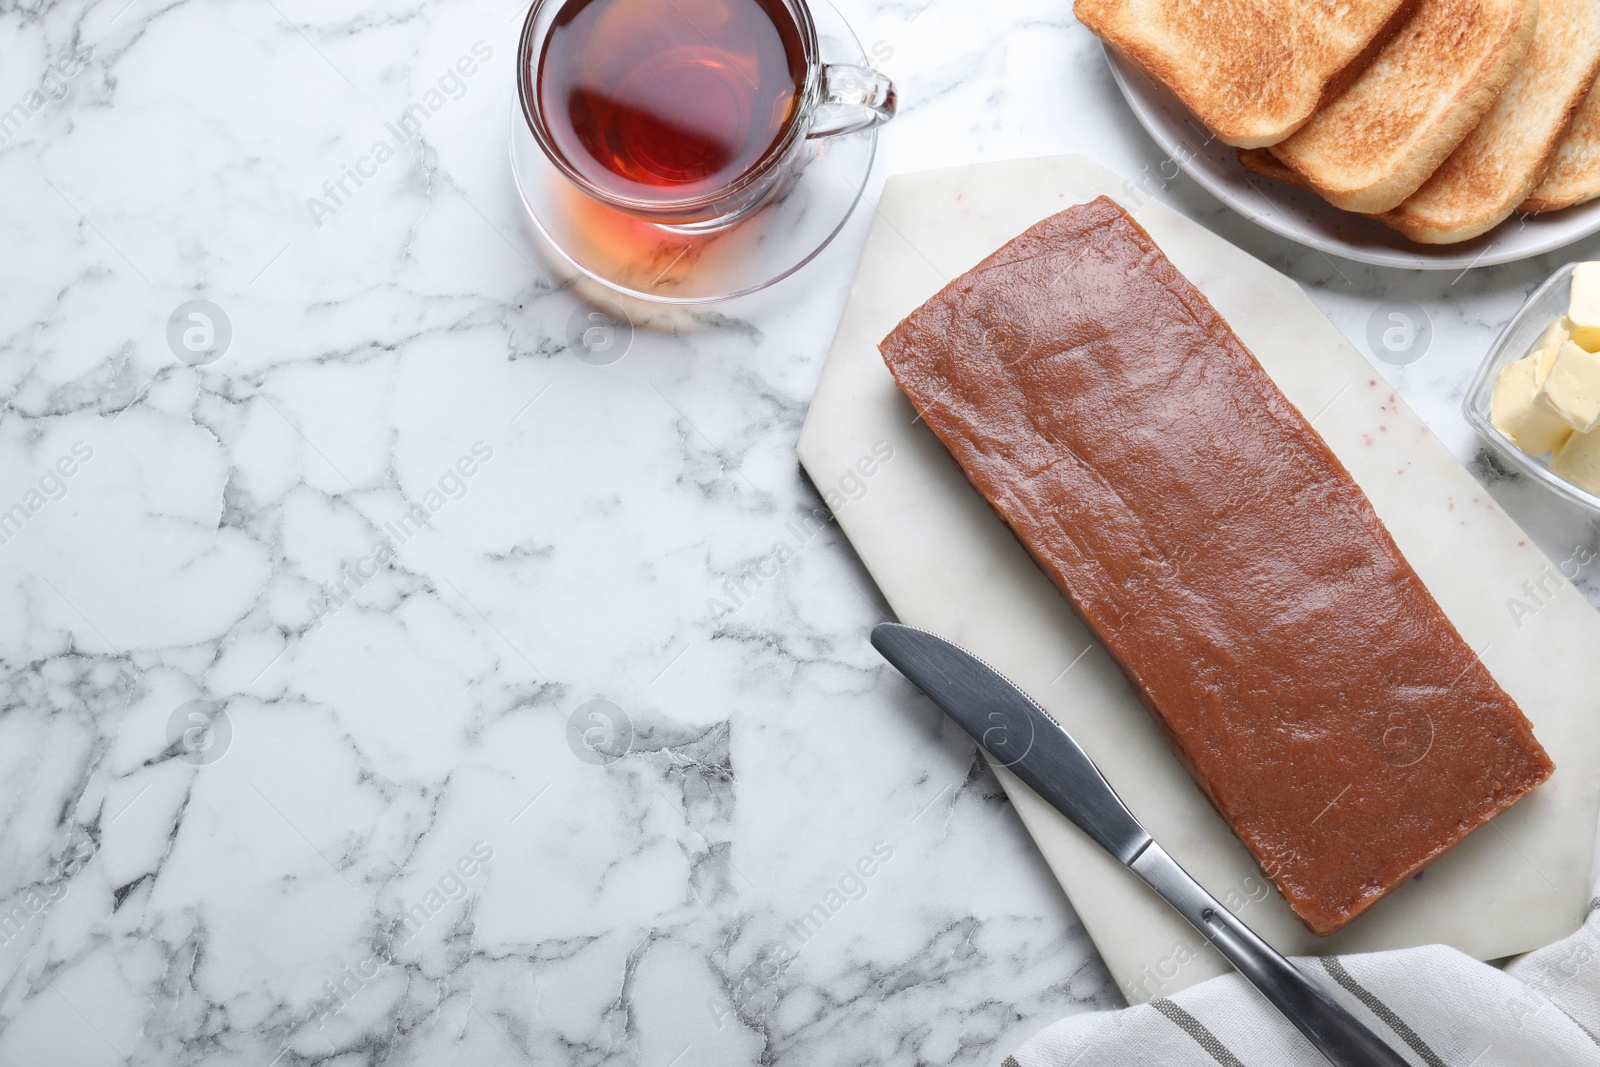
<point x="1550" y="344"/>
<point x="1572" y="388"/>
<point x="1585" y="306"/>
<point x="1579" y="461"/>
<point x="1516" y="413"/>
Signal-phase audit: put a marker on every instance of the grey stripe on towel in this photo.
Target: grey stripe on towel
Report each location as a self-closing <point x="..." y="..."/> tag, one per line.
<point x="1197" y="1030"/>
<point x="1336" y="970"/>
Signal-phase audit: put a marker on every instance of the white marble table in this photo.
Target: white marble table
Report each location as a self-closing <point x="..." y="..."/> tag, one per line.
<point x="244" y="821"/>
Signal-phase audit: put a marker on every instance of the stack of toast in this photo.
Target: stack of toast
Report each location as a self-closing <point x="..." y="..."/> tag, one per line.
<point x="1440" y="118"/>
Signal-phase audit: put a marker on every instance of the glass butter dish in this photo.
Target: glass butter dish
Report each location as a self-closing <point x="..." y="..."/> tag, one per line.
<point x="1548" y="304"/>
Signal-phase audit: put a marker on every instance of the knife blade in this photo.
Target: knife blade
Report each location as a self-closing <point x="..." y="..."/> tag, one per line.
<point x="1018" y="734"/>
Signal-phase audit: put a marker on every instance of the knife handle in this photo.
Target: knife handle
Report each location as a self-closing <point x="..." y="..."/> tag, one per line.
<point x="1341" y="1038"/>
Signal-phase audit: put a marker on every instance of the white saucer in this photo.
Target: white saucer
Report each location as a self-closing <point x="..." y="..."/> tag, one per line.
<point x="658" y="263"/>
<point x="1307" y="219"/>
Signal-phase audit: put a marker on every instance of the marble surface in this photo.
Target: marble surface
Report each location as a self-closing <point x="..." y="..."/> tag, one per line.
<point x="303" y="637"/>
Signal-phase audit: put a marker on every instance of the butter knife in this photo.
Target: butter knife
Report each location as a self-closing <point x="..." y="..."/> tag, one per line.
<point x="1022" y="737"/>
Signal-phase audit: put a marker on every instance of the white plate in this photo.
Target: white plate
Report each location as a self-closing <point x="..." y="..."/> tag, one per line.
<point x="1307" y="219"/>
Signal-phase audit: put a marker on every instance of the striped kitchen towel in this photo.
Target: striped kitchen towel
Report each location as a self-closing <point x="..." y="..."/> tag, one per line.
<point x="1436" y="1006"/>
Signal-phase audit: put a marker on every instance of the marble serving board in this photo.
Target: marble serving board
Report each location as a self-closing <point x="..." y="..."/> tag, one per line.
<point x="945" y="562"/>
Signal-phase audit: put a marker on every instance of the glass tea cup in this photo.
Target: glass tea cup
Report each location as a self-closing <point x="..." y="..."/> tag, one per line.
<point x="690" y="114"/>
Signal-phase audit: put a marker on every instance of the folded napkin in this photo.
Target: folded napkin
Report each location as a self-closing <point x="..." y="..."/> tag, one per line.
<point x="1436" y="1006"/>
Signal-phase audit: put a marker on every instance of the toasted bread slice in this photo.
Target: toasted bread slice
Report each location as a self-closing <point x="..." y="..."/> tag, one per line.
<point x="1253" y="70"/>
<point x="1573" y="176"/>
<point x="1261" y="161"/>
<point x="1379" y="140"/>
<point x="1497" y="167"/>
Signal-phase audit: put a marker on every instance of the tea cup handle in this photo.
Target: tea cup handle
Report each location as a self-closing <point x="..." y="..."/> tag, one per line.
<point x="853" y="98"/>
